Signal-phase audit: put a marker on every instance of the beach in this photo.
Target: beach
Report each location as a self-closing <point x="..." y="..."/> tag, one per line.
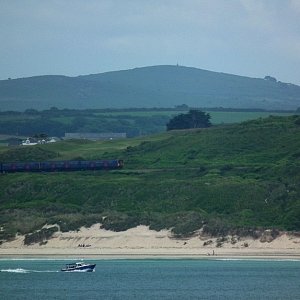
<point x="141" y="242"/>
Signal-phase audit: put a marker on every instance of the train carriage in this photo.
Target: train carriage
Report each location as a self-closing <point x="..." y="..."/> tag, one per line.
<point x="66" y="165"/>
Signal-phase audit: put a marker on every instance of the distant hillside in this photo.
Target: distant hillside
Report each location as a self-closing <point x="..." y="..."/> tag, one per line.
<point x="157" y="86"/>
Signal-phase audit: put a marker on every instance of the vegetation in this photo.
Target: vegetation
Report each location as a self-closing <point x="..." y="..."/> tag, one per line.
<point x="40" y="236"/>
<point x="193" y="119"/>
<point x="135" y="122"/>
<point x="37" y="153"/>
<point x="56" y="122"/>
<point x="225" y="179"/>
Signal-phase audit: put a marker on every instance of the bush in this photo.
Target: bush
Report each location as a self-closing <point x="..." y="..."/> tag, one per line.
<point x="187" y="223"/>
<point x="216" y="227"/>
<point x="120" y="221"/>
<point x="72" y="222"/>
<point x="40" y="236"/>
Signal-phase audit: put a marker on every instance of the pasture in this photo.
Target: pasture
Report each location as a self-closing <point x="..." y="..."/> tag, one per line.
<point x="217" y="117"/>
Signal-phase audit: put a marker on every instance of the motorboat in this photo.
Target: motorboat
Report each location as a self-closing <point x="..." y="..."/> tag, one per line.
<point x="79" y="267"/>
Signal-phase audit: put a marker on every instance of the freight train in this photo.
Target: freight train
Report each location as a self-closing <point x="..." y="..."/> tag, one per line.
<point x="63" y="165"/>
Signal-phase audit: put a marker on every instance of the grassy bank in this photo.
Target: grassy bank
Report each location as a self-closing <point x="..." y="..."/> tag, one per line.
<point x="232" y="178"/>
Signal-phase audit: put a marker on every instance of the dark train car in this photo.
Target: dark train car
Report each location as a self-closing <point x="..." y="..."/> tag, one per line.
<point x="64" y="165"/>
<point x="20" y="167"/>
<point x="48" y="166"/>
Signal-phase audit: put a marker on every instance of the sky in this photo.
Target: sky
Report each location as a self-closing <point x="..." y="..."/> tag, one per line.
<point x="252" y="38"/>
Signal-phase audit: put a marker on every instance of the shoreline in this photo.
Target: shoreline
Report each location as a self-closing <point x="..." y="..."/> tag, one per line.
<point x="151" y="257"/>
<point x="142" y="243"/>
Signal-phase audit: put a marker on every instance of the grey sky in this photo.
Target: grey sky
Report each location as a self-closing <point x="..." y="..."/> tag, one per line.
<point x="76" y="37"/>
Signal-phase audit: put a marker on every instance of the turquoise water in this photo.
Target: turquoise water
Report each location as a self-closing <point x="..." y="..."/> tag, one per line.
<point x="152" y="279"/>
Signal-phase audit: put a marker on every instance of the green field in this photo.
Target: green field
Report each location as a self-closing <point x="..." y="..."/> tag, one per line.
<point x="217" y="117"/>
<point x="237" y="117"/>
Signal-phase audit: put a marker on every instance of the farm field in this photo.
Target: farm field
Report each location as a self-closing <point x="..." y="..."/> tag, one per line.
<point x="237" y="117"/>
<point x="217" y="117"/>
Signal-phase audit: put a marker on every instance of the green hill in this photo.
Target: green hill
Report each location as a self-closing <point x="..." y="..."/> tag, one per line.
<point x="233" y="178"/>
<point x="157" y="86"/>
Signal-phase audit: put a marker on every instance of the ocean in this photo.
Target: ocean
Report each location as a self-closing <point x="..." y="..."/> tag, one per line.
<point x="152" y="279"/>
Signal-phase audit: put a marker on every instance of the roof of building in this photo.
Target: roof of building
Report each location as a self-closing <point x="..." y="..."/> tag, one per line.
<point x="94" y="135"/>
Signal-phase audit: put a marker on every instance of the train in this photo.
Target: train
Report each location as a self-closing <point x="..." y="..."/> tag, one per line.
<point x="62" y="165"/>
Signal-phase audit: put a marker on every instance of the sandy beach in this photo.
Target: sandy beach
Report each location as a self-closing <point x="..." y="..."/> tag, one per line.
<point x="141" y="242"/>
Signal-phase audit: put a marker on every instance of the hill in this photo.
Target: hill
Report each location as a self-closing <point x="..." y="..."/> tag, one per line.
<point x="157" y="86"/>
<point x="231" y="178"/>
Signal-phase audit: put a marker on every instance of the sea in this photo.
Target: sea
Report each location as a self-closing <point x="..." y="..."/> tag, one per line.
<point x="152" y="279"/>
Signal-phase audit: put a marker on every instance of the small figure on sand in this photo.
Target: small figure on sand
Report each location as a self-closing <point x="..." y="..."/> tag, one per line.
<point x="213" y="253"/>
<point x="84" y="245"/>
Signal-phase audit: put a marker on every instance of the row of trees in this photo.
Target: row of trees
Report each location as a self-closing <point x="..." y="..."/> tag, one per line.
<point x="84" y="121"/>
<point x="193" y="119"/>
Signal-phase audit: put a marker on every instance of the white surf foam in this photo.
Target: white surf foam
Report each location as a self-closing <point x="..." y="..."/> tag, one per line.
<point x="24" y="271"/>
<point x="18" y="270"/>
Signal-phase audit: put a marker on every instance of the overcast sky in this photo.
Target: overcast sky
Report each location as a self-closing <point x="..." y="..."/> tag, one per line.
<point x="77" y="37"/>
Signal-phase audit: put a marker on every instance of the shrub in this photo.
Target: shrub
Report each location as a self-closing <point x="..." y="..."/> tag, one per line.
<point x="187" y="223"/>
<point x="40" y="236"/>
<point x="120" y="222"/>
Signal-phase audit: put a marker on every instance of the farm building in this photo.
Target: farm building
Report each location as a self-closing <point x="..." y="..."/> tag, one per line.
<point x="95" y="136"/>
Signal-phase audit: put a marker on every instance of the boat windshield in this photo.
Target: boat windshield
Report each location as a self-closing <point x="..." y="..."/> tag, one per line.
<point x="74" y="265"/>
<point x="79" y="264"/>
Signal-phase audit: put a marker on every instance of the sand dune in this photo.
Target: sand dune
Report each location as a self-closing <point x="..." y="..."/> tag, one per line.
<point x="143" y="242"/>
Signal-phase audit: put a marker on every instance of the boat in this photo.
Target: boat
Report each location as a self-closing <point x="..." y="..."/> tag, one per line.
<point x="79" y="267"/>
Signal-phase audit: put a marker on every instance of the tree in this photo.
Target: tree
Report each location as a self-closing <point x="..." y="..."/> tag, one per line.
<point x="270" y="78"/>
<point x="193" y="119"/>
<point x="31" y="111"/>
<point x="40" y="136"/>
<point x="182" y="107"/>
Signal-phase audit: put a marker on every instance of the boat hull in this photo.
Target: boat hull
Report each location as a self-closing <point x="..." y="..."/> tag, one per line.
<point x="89" y="268"/>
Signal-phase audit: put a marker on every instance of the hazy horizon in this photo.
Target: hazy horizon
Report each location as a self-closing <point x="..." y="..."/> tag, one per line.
<point x="241" y="37"/>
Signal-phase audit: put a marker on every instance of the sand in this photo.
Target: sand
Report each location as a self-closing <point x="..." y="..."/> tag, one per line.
<point x="141" y="242"/>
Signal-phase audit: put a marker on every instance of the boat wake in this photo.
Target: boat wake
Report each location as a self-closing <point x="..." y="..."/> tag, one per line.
<point x="25" y="271"/>
<point x="14" y="270"/>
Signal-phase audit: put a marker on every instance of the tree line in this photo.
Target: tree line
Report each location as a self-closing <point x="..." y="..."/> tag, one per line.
<point x="192" y="119"/>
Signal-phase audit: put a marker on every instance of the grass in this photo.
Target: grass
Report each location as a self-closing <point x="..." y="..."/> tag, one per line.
<point x="217" y="117"/>
<point x="237" y="117"/>
<point x="96" y="150"/>
<point x="141" y="113"/>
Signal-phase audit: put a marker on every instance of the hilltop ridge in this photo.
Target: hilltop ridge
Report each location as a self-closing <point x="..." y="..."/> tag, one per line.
<point x="155" y="86"/>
